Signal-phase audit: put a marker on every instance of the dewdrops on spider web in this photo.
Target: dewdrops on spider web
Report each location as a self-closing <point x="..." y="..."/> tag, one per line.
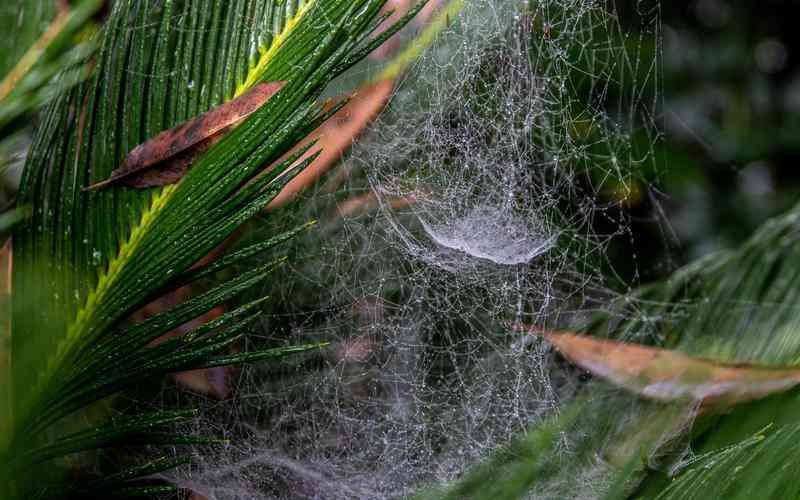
<point x="489" y="233"/>
<point x="495" y="142"/>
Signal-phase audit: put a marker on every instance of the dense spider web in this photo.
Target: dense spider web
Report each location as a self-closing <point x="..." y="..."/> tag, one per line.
<point x="481" y="186"/>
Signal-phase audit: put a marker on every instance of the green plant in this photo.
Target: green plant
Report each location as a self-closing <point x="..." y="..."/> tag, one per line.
<point x="31" y="59"/>
<point x="84" y="261"/>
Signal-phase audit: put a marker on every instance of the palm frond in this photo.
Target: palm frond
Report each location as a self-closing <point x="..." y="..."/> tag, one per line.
<point x="31" y="60"/>
<point x="737" y="306"/>
<point x="84" y="261"/>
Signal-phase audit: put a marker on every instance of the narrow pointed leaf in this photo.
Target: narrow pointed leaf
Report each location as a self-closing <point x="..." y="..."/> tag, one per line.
<point x="112" y="432"/>
<point x="180" y="145"/>
<point x="666" y="375"/>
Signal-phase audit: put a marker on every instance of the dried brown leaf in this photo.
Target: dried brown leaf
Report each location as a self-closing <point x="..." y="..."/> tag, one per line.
<point x="367" y="202"/>
<point x="336" y="135"/>
<point x="164" y="158"/>
<point x="666" y="375"/>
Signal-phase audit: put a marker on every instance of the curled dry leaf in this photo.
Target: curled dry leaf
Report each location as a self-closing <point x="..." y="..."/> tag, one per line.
<point x="335" y="136"/>
<point x="666" y="375"/>
<point x="164" y="158"/>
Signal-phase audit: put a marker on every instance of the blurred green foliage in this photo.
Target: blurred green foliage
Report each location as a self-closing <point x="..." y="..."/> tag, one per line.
<point x="729" y="99"/>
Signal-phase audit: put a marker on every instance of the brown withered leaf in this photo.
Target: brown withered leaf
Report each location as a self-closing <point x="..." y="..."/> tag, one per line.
<point x="666" y="375"/>
<point x="164" y="158"/>
<point x="173" y="169"/>
<point x="367" y="202"/>
<point x="335" y="136"/>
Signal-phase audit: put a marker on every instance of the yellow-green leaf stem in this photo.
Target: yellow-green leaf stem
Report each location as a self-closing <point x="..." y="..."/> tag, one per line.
<point x="32" y="55"/>
<point x="268" y="53"/>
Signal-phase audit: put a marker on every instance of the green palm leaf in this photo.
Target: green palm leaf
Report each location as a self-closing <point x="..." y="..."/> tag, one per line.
<point x="31" y="58"/>
<point x="735" y="306"/>
<point x="84" y="261"/>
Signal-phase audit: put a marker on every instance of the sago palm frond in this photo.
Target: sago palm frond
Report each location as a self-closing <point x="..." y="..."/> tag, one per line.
<point x="83" y="261"/>
<point x="736" y="307"/>
<point x="31" y="58"/>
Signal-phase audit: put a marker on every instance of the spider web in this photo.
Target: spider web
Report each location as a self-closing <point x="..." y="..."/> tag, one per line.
<point x="477" y="197"/>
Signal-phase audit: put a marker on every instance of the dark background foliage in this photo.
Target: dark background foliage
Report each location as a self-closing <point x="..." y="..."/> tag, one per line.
<point x="727" y="160"/>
